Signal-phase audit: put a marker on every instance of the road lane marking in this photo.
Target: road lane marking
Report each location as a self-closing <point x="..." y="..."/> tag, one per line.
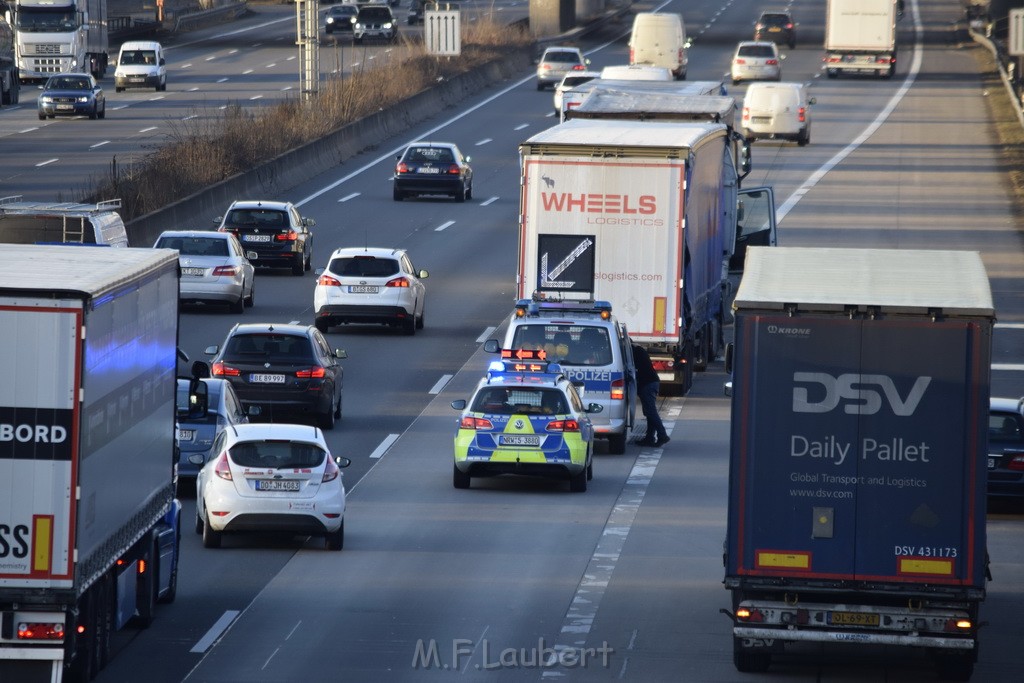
<point x="215" y="632"/>
<point x="486" y="335"/>
<point x="484" y="141"/>
<point x="1015" y="367"/>
<point x="441" y="384"/>
<point x="489" y="201"/>
<point x="444" y="225"/>
<point x="146" y="130"/>
<point x="1010" y="326"/>
<point x="222" y="80"/>
<point x="383" y="447"/>
<point x="349" y="196"/>
<point x="294" y="629"/>
<point x="46" y="163"/>
<point x="256" y="97"/>
<point x="195" y="89"/>
<point x="276" y="650"/>
<point x="247" y="72"/>
<point x="521" y="126"/>
<point x="29" y="130"/>
<point x="99" y="144"/>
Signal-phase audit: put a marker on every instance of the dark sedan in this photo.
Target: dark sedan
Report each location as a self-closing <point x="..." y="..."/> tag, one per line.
<point x="1006" y="448"/>
<point x="199" y="425"/>
<point x="433" y="168"/>
<point x="72" y="95"/>
<point x="283" y="369"/>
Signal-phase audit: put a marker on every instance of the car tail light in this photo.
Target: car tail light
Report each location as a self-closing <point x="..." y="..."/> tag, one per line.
<point x="801" y="114"/>
<point x="402" y="167"/>
<point x="632" y="54"/>
<point x="398" y="282"/>
<point x="758" y="27"/>
<point x="578" y="67"/>
<point x="746" y="113"/>
<point x="772" y="62"/>
<point x="571" y="105"/>
<point x="454" y="169"/>
<point x="618" y="389"/>
<point x="226" y="270"/>
<point x="740" y="60"/>
<point x="545" y="65"/>
<point x="219" y="369"/>
<point x="289" y="236"/>
<point x="233" y="232"/>
<point x="1016" y="463"/>
<point x="331" y="472"/>
<point x="328" y="281"/>
<point x="789" y="27"/>
<point x="563" y="426"/>
<point x="475" y="423"/>
<point x="223" y="469"/>
<point x="314" y="372"/>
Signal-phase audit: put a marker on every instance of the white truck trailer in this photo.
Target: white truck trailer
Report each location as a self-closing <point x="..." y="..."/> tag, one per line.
<point x="860" y="37"/>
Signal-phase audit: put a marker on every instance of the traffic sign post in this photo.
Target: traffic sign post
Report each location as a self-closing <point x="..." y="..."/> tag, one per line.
<point x="442" y="29"/>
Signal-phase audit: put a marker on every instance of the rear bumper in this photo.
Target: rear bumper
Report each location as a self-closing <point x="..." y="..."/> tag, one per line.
<point x="339" y="313"/>
<point x="441" y="184"/>
<point x="199" y="291"/>
<point x="282" y="522"/>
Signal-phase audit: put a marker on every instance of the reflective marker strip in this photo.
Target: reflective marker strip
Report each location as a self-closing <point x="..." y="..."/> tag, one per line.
<point x="42" y="543"/>
<point x="789" y="560"/>
<point x="925" y="565"/>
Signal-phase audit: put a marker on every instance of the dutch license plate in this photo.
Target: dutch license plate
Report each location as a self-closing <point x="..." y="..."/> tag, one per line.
<point x="429" y="169"/>
<point x="193" y="271"/>
<point x="362" y="289"/>
<point x="256" y="238"/>
<point x="512" y="440"/>
<point x="853" y="619"/>
<point x="186" y="434"/>
<point x="266" y="379"/>
<point x="277" y="485"/>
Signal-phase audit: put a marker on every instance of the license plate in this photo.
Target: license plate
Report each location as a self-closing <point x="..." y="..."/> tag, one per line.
<point x="266" y="379"/>
<point x="256" y="238"/>
<point x="853" y="619"/>
<point x="761" y="119"/>
<point x="363" y="289"/>
<point x="65" y="107"/>
<point x="429" y="169"/>
<point x="186" y="434"/>
<point x="198" y="272"/>
<point x="993" y="463"/>
<point x="277" y="485"/>
<point x="507" y="440"/>
<point x="774" y="29"/>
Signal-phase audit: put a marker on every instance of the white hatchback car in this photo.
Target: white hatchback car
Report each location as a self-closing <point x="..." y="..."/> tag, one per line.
<point x="756" y="60"/>
<point x="271" y="478"/>
<point x="214" y="267"/>
<point x="370" y="285"/>
<point x="570" y="81"/>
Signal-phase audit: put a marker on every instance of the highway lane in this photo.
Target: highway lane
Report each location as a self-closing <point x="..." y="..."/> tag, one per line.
<point x="424" y="561"/>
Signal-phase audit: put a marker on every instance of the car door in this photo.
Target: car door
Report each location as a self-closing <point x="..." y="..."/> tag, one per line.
<point x="626" y="346"/>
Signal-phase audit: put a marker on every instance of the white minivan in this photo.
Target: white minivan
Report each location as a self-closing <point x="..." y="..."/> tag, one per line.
<point x="659" y="38"/>
<point x="779" y="110"/>
<point x="141" y="64"/>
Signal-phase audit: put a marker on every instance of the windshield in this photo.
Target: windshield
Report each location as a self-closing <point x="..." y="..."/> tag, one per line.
<point x="46" y="19"/>
<point x="520" y="400"/>
<point x="250" y="348"/>
<point x="138" y="57"/>
<point x="195" y="246"/>
<point x="277" y="454"/>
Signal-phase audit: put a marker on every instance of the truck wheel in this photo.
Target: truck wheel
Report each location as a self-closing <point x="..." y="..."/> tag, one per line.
<point x="578" y="482"/>
<point x="460" y="479"/>
<point x="336" y="540"/>
<point x="81" y="668"/>
<point x="103" y="624"/>
<point x="749" y="662"/>
<point x="617" y="444"/>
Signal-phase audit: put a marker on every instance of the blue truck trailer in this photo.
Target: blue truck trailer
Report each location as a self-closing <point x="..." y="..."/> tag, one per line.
<point x="858" y="450"/>
<point x="89" y="526"/>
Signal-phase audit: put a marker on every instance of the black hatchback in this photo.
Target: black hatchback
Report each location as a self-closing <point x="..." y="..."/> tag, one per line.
<point x="283" y="369"/>
<point x="777" y="26"/>
<point x="273" y="232"/>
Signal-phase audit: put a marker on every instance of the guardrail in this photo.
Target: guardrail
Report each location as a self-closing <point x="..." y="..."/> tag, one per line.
<point x="123" y="28"/>
<point x="189" y="20"/>
<point x="1009" y="66"/>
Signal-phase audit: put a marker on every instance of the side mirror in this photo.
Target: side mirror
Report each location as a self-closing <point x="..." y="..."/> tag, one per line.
<point x="253" y="411"/>
<point x="163" y="61"/>
<point x="319" y="271"/>
<point x="340" y="353"/>
<point x="252" y="255"/>
<point x="728" y="388"/>
<point x="211" y="350"/>
<point x="469" y="159"/>
<point x="342" y="462"/>
<point x="308" y="222"/>
<point x="459" y="404"/>
<point x="812" y="101"/>
<point x="491" y="346"/>
<point x="595" y="408"/>
<point x="218" y="220"/>
<point x="730" y="352"/>
<point x="423" y="274"/>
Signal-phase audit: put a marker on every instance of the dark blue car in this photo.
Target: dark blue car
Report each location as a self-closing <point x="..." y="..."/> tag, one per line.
<point x="199" y="425"/>
<point x="72" y="95"/>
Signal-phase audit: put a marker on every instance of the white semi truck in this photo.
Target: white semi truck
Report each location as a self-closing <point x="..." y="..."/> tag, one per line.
<point x="55" y="36"/>
<point x="860" y="37"/>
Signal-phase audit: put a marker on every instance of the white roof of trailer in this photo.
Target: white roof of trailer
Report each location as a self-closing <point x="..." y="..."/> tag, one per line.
<point x="88" y="269"/>
<point x="625" y="133"/>
<point x="891" y="280"/>
<point x="628" y="102"/>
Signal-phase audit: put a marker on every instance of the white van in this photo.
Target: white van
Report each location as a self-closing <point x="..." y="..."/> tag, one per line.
<point x="777" y="110"/>
<point x="660" y="39"/>
<point x="141" y="64"/>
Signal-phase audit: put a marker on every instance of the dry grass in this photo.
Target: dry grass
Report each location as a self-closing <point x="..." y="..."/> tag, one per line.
<point x="216" y="145"/>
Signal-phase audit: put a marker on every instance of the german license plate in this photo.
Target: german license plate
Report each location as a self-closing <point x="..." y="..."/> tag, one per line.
<point x="429" y="169"/>
<point x="65" y="107"/>
<point x="277" y="485"/>
<point x="853" y="619"/>
<point x="256" y="238"/>
<point x="198" y="272"/>
<point x="517" y="440"/>
<point x="363" y="289"/>
<point x="259" y="378"/>
<point x="186" y="434"/>
<point x="761" y="119"/>
<point x="993" y="463"/>
<point x="774" y="29"/>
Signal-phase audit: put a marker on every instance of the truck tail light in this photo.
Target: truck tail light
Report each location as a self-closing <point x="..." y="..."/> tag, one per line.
<point x="40" y="631"/>
<point x="219" y="369"/>
<point x="749" y="615"/>
<point x="398" y="282"/>
<point x="801" y="114"/>
<point x="314" y="372"/>
<point x="328" y="281"/>
<point x="289" y="236"/>
<point x="618" y="389"/>
<point x="223" y="469"/>
<point x="475" y="423"/>
<point x="563" y="426"/>
<point x="957" y="625"/>
<point x="663" y="365"/>
<point x="331" y="472"/>
<point x="141" y="567"/>
<point x="230" y="271"/>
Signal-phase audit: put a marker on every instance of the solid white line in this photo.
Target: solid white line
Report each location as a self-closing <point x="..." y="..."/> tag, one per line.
<point x="486" y="335"/>
<point x="489" y="201"/>
<point x="1016" y="367"/>
<point x="349" y="196"/>
<point x="444" y="225"/>
<point x="99" y="144"/>
<point x="47" y="162"/>
<point x="215" y="631"/>
<point x="441" y="383"/>
<point x="154" y="99"/>
<point x="475" y="646"/>
<point x="1009" y="326"/>
<point x="384" y="446"/>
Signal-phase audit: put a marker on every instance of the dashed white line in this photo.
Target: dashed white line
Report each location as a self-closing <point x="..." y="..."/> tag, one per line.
<point x="256" y="97"/>
<point x="349" y="196"/>
<point x="1016" y="367"/>
<point x="290" y="58"/>
<point x="294" y="629"/>
<point x="99" y="144"/>
<point x="246" y="72"/>
<point x="193" y="89"/>
<point x="521" y="126"/>
<point x="286" y="88"/>
<point x="146" y="130"/>
<point x="185" y="66"/>
<point x="484" y="141"/>
<point x="231" y="52"/>
<point x="384" y="446"/>
<point x="276" y="650"/>
<point x="46" y="163"/>
<point x="123" y="106"/>
<point x="155" y="99"/>
<point x="441" y="384"/>
<point x="443" y="226"/>
<point x="215" y="631"/>
<point x="272" y="65"/>
<point x="488" y="202"/>
<point x="211" y="58"/>
<point x="222" y="80"/>
<point x="190" y="117"/>
<point x="1009" y="326"/>
<point x="486" y="335"/>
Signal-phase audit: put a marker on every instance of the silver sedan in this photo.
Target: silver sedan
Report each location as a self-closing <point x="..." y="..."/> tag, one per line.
<point x="214" y="268"/>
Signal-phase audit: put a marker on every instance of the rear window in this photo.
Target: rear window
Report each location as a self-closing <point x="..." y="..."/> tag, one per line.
<point x="561" y="56"/>
<point x="774" y="19"/>
<point x="430" y="154"/>
<point x="566" y="344"/>
<point x="573" y="81"/>
<point x="756" y="51"/>
<point x="280" y="347"/>
<point x="522" y="400"/>
<point x="195" y="246"/>
<point x="364" y="266"/>
<point x="277" y="454"/>
<point x="1005" y="428"/>
<point x="257" y="218"/>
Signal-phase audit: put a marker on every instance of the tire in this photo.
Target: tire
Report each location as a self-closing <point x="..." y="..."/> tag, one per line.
<point x="103" y="112"/>
<point x="409" y="325"/>
<point x="299" y="267"/>
<point x="163" y="86"/>
<point x="250" y="300"/>
<point x="578" y="482"/>
<point x="397" y="194"/>
<point x="322" y="325"/>
<point x="199" y="520"/>
<point x="238" y="306"/>
<point x="617" y="444"/>
<point x="211" y="537"/>
<point x="953" y="667"/>
<point x="749" y="662"/>
<point x="95" y="113"/>
<point x="336" y="540"/>
<point x="42" y="117"/>
<point x="116" y="89"/>
<point x="460" y="479"/>
<point x="103" y="624"/>
<point x="460" y="196"/>
<point x="81" y="670"/>
<point x="540" y="86"/>
<point x="309" y="259"/>
<point x="327" y="418"/>
<point x="419" y="320"/>
<point x="469" y="192"/>
<point x="590" y="469"/>
<point x="700" y="361"/>
<point x="804" y="138"/>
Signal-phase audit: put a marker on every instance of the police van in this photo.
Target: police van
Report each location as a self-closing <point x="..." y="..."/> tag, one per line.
<point x="593" y="350"/>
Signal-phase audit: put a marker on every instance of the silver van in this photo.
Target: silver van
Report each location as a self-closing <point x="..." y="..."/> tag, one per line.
<point x="780" y="111"/>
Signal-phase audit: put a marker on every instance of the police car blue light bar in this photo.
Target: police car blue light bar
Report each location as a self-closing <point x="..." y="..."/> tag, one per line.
<point x="532" y="308"/>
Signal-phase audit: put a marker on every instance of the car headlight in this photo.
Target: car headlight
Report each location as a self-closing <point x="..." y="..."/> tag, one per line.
<point x="82" y="98"/>
<point x="387" y="25"/>
<point x="358" y="25"/>
<point x="46" y="99"/>
<point x="119" y="74"/>
<point x="330" y="20"/>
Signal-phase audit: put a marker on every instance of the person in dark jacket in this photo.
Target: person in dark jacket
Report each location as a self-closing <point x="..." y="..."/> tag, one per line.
<point x="647" y="386"/>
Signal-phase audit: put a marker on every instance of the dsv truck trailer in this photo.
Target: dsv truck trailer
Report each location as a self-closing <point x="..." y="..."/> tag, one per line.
<point x="89" y="526"/>
<point x="857" y="472"/>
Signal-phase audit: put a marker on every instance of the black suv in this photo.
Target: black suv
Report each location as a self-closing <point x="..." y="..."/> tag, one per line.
<point x="375" y="21"/>
<point x="275" y="231"/>
<point x="283" y="369"/>
<point x="777" y="26"/>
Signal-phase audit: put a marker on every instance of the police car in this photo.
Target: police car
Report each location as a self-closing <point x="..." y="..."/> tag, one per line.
<point x="593" y="349"/>
<point x="527" y="418"/>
